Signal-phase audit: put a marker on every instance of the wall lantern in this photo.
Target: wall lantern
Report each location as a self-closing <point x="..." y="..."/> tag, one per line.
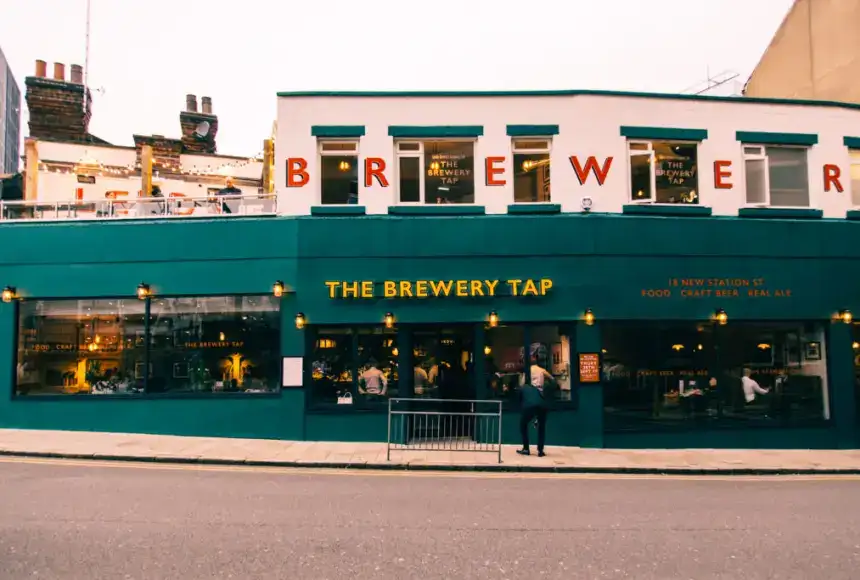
<point x="721" y="317"/>
<point x="588" y="317"/>
<point x="278" y="289"/>
<point x="8" y="294"/>
<point x="300" y="321"/>
<point x="855" y="345"/>
<point x="493" y="319"/>
<point x="143" y="291"/>
<point x="846" y="316"/>
<point x="388" y="320"/>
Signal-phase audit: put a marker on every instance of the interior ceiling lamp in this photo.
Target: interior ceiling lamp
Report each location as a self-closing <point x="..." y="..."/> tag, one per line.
<point x="8" y="294"/>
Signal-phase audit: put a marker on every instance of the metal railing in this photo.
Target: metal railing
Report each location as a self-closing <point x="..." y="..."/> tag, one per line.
<point x="417" y="424"/>
<point x="141" y="208"/>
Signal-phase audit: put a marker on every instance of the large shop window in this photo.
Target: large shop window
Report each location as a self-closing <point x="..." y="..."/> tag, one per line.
<point x="687" y="374"/>
<point x="353" y="366"/>
<point x="436" y="172"/>
<point x="531" y="170"/>
<point x="547" y="363"/>
<point x="663" y="172"/>
<point x="776" y="176"/>
<point x="188" y="345"/>
<point x="338" y="172"/>
<point x="855" y="177"/>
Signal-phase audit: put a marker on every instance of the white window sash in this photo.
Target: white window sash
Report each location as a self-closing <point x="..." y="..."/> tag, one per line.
<point x="649" y="153"/>
<point x="419" y="154"/>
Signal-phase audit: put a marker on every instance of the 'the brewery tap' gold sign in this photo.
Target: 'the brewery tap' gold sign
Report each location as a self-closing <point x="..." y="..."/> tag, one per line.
<point x="438" y="288"/>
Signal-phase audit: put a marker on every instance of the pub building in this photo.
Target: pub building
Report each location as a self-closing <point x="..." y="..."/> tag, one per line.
<point x="686" y="268"/>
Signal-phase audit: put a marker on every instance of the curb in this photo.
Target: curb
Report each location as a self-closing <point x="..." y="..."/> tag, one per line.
<point x="500" y="468"/>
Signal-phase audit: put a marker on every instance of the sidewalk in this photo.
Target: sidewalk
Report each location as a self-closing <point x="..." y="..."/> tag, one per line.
<point x="210" y="450"/>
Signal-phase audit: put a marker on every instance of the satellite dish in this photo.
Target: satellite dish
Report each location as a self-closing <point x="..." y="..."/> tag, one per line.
<point x="202" y="130"/>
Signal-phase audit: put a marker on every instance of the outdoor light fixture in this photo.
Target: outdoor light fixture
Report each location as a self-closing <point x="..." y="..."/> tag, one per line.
<point x="8" y="294"/>
<point x="855" y="345"/>
<point x="300" y="321"/>
<point x="143" y="291"/>
<point x="221" y="337"/>
<point x="721" y="317"/>
<point x="278" y="289"/>
<point x="493" y="319"/>
<point x="844" y="315"/>
<point x="389" y="320"/>
<point x="588" y="317"/>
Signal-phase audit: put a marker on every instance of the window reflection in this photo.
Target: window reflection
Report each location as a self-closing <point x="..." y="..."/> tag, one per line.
<point x="549" y="350"/>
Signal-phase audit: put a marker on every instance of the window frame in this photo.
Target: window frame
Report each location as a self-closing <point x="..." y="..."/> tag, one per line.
<point x="652" y="156"/>
<point x="762" y="156"/>
<point x="277" y="393"/>
<point x="321" y="152"/>
<point x="853" y="163"/>
<point x="531" y="151"/>
<point x="419" y="154"/>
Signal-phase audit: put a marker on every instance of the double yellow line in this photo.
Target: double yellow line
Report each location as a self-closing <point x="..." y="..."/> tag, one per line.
<point x="90" y="463"/>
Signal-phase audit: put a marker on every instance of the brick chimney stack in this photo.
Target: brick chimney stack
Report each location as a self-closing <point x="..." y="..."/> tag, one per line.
<point x="57" y="108"/>
<point x="198" y="128"/>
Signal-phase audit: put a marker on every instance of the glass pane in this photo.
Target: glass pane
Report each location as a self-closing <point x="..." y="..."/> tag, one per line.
<point x="345" y="147"/>
<point x="753" y="151"/>
<point x="775" y="372"/>
<point x="639" y="146"/>
<point x="443" y="359"/>
<point x="676" y="172"/>
<point x="410" y="179"/>
<point x="756" y="180"/>
<point x="81" y="347"/>
<point x="409" y="146"/>
<point x="658" y="374"/>
<point x="531" y="177"/>
<point x="531" y="145"/>
<point x="331" y="367"/>
<point x="855" y="178"/>
<point x="640" y="177"/>
<point x="223" y="343"/>
<point x="550" y="352"/>
<point x="449" y="172"/>
<point x="789" y="181"/>
<point x="377" y="364"/>
<point x="504" y="361"/>
<point x="339" y="179"/>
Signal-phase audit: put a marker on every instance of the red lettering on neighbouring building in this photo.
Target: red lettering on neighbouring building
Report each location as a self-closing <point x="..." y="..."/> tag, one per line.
<point x="493" y="171"/>
<point x="591" y="166"/>
<point x="722" y="171"/>
<point x="297" y="175"/>
<point x="831" y="177"/>
<point x="374" y="167"/>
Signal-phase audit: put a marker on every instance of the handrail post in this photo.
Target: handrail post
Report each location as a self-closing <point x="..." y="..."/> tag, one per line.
<point x="500" y="431"/>
<point x="388" y="444"/>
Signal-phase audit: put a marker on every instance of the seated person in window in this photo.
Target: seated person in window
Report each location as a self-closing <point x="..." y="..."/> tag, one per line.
<point x="422" y="379"/>
<point x="751" y="387"/>
<point x="372" y="381"/>
<point x="229" y="189"/>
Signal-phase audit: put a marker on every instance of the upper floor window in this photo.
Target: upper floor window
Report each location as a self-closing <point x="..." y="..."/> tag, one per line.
<point x="776" y="175"/>
<point x="338" y="172"/>
<point x="663" y="172"/>
<point x="531" y="170"/>
<point x="855" y="177"/>
<point x="436" y="171"/>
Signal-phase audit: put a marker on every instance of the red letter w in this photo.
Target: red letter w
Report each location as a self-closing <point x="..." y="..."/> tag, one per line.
<point x="591" y="166"/>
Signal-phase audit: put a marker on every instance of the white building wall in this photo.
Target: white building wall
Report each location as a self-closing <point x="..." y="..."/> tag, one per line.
<point x="589" y="125"/>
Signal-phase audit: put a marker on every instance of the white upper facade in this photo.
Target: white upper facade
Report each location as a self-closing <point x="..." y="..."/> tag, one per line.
<point x="492" y="149"/>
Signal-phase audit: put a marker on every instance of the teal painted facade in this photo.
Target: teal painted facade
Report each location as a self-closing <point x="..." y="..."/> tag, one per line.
<point x="606" y="263"/>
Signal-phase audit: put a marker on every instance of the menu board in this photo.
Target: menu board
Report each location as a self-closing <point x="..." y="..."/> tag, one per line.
<point x="589" y="368"/>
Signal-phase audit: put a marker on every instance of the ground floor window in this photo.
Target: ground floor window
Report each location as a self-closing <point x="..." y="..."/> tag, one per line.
<point x="353" y="366"/>
<point x="547" y="362"/>
<point x="157" y="345"/>
<point x="688" y="373"/>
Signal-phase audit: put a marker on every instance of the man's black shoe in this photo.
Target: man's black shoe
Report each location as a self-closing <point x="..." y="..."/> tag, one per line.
<point x="523" y="452"/>
<point x="541" y="454"/>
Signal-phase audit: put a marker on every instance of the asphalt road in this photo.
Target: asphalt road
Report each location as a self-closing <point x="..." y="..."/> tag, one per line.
<point x="92" y="521"/>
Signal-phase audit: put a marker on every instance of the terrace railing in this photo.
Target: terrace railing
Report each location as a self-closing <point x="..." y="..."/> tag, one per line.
<point x="141" y="208"/>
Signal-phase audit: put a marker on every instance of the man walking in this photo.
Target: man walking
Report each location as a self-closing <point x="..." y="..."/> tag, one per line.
<point x="534" y="407"/>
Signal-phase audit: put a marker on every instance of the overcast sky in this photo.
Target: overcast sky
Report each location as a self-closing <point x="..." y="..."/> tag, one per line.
<point x="145" y="56"/>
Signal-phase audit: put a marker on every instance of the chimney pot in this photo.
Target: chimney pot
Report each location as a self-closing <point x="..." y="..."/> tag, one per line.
<point x="59" y="71"/>
<point x="191" y="103"/>
<point x="77" y="74"/>
<point x="207" y="105"/>
<point x="41" y="69"/>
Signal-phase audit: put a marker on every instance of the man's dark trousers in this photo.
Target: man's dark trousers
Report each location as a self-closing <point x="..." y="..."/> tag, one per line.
<point x="528" y="415"/>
